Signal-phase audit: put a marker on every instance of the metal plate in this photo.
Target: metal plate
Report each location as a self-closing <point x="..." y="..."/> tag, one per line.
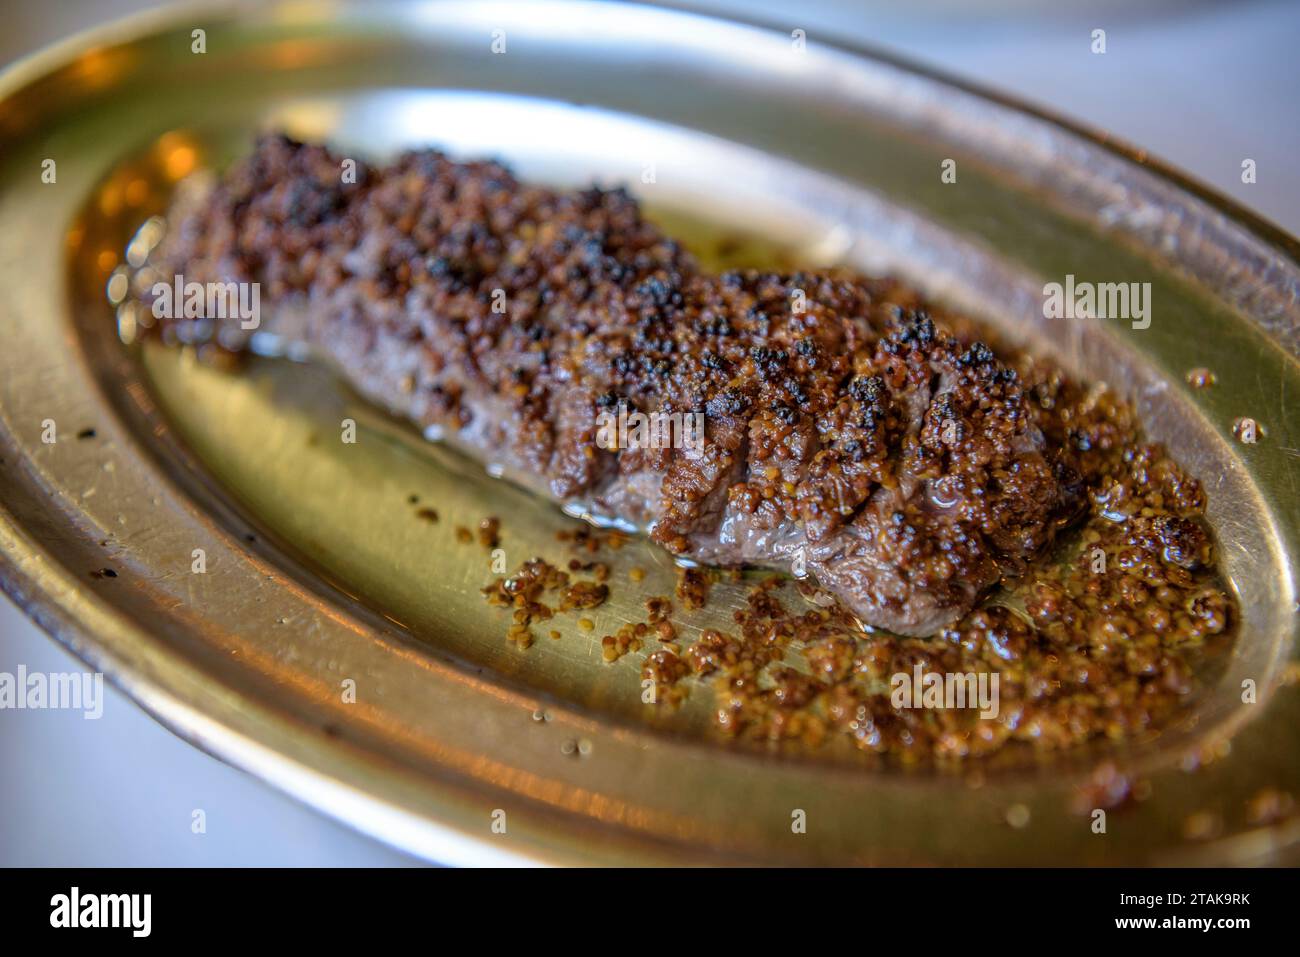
<point x="316" y="570"/>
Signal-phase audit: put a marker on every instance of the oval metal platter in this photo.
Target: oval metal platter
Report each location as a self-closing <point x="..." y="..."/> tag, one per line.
<point x="339" y="648"/>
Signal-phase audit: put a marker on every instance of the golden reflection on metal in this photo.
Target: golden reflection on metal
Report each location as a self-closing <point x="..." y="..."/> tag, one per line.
<point x="99" y="68"/>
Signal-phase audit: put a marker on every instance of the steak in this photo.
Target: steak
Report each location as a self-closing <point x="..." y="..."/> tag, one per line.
<point x="846" y="433"/>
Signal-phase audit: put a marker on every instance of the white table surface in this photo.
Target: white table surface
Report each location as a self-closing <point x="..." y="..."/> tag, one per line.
<point x="1201" y="85"/>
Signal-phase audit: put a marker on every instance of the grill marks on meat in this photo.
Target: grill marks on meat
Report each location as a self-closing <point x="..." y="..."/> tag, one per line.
<point x="842" y="424"/>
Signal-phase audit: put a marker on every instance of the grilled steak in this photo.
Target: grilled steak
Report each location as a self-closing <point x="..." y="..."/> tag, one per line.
<point x="845" y="431"/>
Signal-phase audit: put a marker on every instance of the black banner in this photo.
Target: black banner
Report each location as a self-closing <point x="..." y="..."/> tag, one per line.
<point x="935" y="906"/>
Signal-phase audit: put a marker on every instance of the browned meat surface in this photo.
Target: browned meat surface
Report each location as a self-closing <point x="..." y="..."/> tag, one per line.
<point x="900" y="462"/>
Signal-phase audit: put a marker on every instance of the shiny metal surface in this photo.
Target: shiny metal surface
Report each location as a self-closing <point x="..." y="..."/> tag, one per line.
<point x="317" y="572"/>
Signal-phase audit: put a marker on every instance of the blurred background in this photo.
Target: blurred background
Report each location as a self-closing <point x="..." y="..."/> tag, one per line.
<point x="1201" y="85"/>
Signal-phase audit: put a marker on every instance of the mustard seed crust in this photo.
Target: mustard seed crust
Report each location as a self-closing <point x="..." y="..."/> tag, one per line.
<point x="847" y="429"/>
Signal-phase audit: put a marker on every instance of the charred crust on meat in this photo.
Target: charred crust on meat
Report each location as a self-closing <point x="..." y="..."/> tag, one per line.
<point x="906" y="456"/>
